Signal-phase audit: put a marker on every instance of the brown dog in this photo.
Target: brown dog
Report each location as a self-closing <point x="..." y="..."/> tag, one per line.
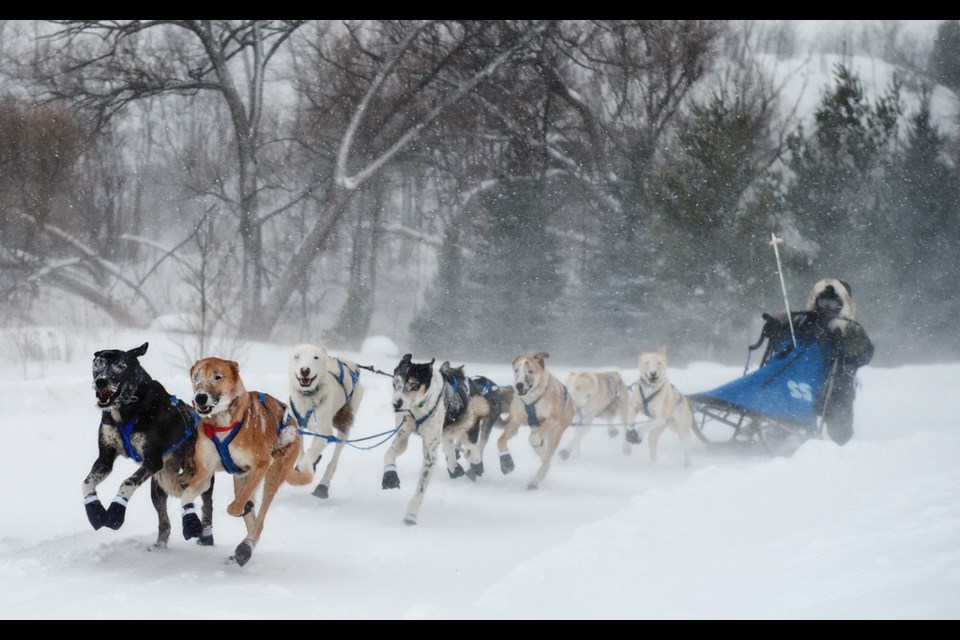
<point x="657" y="398"/>
<point x="247" y="434"/>
<point x="597" y="395"/>
<point x="542" y="402"/>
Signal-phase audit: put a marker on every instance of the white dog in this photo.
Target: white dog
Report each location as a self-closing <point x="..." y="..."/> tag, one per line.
<point x="324" y="396"/>
<point x="662" y="402"/>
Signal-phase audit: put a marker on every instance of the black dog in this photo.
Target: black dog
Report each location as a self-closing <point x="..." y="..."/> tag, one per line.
<point x="143" y="422"/>
<point x="499" y="399"/>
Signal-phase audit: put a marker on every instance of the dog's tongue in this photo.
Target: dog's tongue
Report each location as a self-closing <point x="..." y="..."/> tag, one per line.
<point x="103" y="395"/>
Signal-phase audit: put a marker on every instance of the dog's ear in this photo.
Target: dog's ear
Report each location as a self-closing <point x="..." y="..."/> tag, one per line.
<point x="139" y="351"/>
<point x="662" y="350"/>
<point x="193" y="368"/>
<point x="432" y="360"/>
<point x="98" y="354"/>
<point x="540" y="357"/>
<point x="407" y="357"/>
<point x="234" y="367"/>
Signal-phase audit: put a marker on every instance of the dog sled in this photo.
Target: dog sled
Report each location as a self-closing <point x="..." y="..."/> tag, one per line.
<point x="779" y="405"/>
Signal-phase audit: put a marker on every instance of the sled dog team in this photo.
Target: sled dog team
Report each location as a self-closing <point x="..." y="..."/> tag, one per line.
<point x="260" y="440"/>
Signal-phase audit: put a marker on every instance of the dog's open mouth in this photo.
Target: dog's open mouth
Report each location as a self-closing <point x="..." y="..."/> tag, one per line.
<point x="307" y="382"/>
<point x="105" y="397"/>
<point x="203" y="409"/>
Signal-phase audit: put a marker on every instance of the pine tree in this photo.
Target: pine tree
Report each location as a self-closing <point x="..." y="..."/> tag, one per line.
<point x="945" y="57"/>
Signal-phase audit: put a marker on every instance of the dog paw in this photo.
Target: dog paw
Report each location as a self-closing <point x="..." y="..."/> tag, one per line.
<point x="457" y="472"/>
<point x="532" y="487"/>
<point x="476" y="470"/>
<point x="391" y="480"/>
<point x="506" y="463"/>
<point x="241" y="555"/>
<point x="192" y="527"/>
<point x="96" y="514"/>
<point x="613" y="432"/>
<point x="633" y="436"/>
<point x="410" y="519"/>
<point x="205" y="541"/>
<point x="321" y="491"/>
<point x="116" y="513"/>
<point x="563" y="453"/>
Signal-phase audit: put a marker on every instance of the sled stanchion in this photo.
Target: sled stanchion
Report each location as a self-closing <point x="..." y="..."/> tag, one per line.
<point x="775" y="241"/>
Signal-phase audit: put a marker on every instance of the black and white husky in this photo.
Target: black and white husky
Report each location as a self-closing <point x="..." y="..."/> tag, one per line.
<point x="437" y="405"/>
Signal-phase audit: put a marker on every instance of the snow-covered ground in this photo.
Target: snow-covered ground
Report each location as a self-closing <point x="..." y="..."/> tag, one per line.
<point x="870" y="530"/>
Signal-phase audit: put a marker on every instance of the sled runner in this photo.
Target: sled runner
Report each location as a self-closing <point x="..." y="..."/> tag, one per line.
<point x="779" y="405"/>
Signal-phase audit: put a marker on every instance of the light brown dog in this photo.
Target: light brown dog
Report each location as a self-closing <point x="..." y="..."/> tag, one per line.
<point x="597" y="395"/>
<point x="662" y="402"/>
<point x="542" y="402"/>
<point x="247" y="434"/>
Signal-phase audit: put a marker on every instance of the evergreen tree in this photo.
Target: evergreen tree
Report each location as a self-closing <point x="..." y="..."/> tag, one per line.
<point x="838" y="175"/>
<point x="924" y="237"/>
<point x="945" y="57"/>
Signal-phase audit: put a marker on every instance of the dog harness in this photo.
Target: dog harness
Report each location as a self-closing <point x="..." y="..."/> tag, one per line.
<point x="127" y="429"/>
<point x="354" y="376"/>
<point x="531" y="408"/>
<point x="646" y="399"/>
<point x="417" y="422"/>
<point x="223" y="445"/>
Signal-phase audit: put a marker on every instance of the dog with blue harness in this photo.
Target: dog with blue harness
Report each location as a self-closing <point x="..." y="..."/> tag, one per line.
<point x="437" y="405"/>
<point x="139" y="420"/>
<point x="325" y="394"/>
<point x="249" y="435"/>
<point x="542" y="402"/>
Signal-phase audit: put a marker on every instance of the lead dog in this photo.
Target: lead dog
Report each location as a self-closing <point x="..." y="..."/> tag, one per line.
<point x="437" y="405"/>
<point x="323" y="405"/>
<point x="542" y="402"/>
<point x="662" y="402"/>
<point x="144" y="423"/>
<point x="597" y="395"/>
<point x="250" y="436"/>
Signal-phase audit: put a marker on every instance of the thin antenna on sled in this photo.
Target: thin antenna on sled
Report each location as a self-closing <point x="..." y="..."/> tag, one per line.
<point x="775" y="241"/>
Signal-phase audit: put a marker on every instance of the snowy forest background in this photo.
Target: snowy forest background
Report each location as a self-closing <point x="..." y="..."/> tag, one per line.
<point x="478" y="189"/>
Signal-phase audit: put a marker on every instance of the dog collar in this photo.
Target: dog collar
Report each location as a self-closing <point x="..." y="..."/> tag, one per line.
<point x="210" y="429"/>
<point x="419" y="421"/>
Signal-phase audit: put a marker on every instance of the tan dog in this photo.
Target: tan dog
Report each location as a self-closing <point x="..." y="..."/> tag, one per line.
<point x="662" y="402"/>
<point x="246" y="434"/>
<point x="597" y="395"/>
<point x="325" y="393"/>
<point x="542" y="402"/>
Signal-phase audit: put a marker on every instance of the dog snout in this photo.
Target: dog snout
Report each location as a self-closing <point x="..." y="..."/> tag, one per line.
<point x="201" y="399"/>
<point x="304" y="372"/>
<point x="101" y="383"/>
<point x="520" y="387"/>
<point x="397" y="404"/>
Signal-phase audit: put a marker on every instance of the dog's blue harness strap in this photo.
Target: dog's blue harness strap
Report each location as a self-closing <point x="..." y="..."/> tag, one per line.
<point x="429" y="413"/>
<point x="302" y="420"/>
<point x="125" y="436"/>
<point x="222" y="447"/>
<point x="189" y="427"/>
<point x="532" y="419"/>
<point x="646" y="399"/>
<point x="354" y="376"/>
